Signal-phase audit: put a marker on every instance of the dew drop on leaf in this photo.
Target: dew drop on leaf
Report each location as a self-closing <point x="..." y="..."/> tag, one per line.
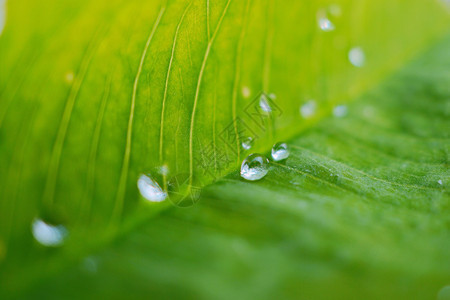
<point x="264" y="104"/>
<point x="308" y="109"/>
<point x="247" y="143"/>
<point x="280" y="151"/>
<point x="340" y="111"/>
<point x="254" y="167"/>
<point x="357" y="57"/>
<point x="2" y="15"/>
<point x="325" y="24"/>
<point x="150" y="189"/>
<point x="48" y="234"/>
<point x="246" y="91"/>
<point x="444" y="293"/>
<point x="440" y="181"/>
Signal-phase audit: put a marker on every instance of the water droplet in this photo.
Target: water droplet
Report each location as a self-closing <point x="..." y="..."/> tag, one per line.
<point x="340" y="111"/>
<point x="164" y="170"/>
<point x="246" y="91"/>
<point x="280" y="151"/>
<point x="2" y="15"/>
<point x="69" y="77"/>
<point x="90" y="264"/>
<point x="440" y="181"/>
<point x="150" y="189"/>
<point x="325" y="24"/>
<point x="247" y="143"/>
<point x="264" y="104"/>
<point x="272" y="96"/>
<point x="254" y="167"/>
<point x="308" y="109"/>
<point x="335" y="10"/>
<point x="444" y="293"/>
<point x="357" y="57"/>
<point x="47" y="234"/>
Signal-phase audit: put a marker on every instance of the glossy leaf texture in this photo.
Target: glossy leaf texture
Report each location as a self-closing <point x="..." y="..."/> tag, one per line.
<point x="93" y="94"/>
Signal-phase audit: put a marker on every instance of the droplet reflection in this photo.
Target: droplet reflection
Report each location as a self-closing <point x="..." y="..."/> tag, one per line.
<point x="357" y="57"/>
<point x="254" y="167"/>
<point x="280" y="151"/>
<point x="47" y="234"/>
<point x="150" y="189"/>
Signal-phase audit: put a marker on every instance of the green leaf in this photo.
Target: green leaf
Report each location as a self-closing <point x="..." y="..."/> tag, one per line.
<point x="94" y="94"/>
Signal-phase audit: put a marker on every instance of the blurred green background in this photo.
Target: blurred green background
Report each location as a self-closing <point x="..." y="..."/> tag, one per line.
<point x="95" y="93"/>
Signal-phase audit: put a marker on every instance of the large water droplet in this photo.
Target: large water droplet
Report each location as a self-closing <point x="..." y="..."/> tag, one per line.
<point x="308" y="109"/>
<point x="357" y="57"/>
<point x="340" y="111"/>
<point x="280" y="151"/>
<point x="47" y="234"/>
<point x="254" y="167"/>
<point x="247" y="143"/>
<point x="264" y="104"/>
<point x="150" y="189"/>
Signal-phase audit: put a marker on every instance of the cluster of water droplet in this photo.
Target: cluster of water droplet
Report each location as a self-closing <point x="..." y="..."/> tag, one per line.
<point x="256" y="166"/>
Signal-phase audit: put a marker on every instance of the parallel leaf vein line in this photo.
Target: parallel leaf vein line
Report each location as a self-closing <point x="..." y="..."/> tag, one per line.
<point x="55" y="159"/>
<point x="197" y="92"/>
<point x="237" y="76"/>
<point x="166" y="85"/>
<point x="368" y="175"/>
<point x="94" y="147"/>
<point x="126" y="159"/>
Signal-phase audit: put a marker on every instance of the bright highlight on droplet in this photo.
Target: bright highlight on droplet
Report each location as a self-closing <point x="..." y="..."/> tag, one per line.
<point x="246" y="91"/>
<point x="150" y="189"/>
<point x="357" y="57"/>
<point x="440" y="181"/>
<point x="308" y="109"/>
<point x="247" y="143"/>
<point x="264" y="104"/>
<point x="47" y="234"/>
<point x="340" y="111"/>
<point x="280" y="151"/>
<point x="254" y="167"/>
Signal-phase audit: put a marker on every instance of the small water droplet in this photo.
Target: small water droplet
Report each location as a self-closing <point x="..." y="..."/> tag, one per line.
<point x="150" y="189"/>
<point x="254" y="167"/>
<point x="247" y="143"/>
<point x="272" y="96"/>
<point x="2" y="15"/>
<point x="335" y="10"/>
<point x="90" y="264"/>
<point x="47" y="234"/>
<point x="444" y="293"/>
<point x="264" y="104"/>
<point x="340" y="111"/>
<point x="246" y="91"/>
<point x="164" y="170"/>
<point x="308" y="109"/>
<point x="69" y="77"/>
<point x="440" y="181"/>
<point x="280" y="151"/>
<point x="357" y="57"/>
<point x="325" y="24"/>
